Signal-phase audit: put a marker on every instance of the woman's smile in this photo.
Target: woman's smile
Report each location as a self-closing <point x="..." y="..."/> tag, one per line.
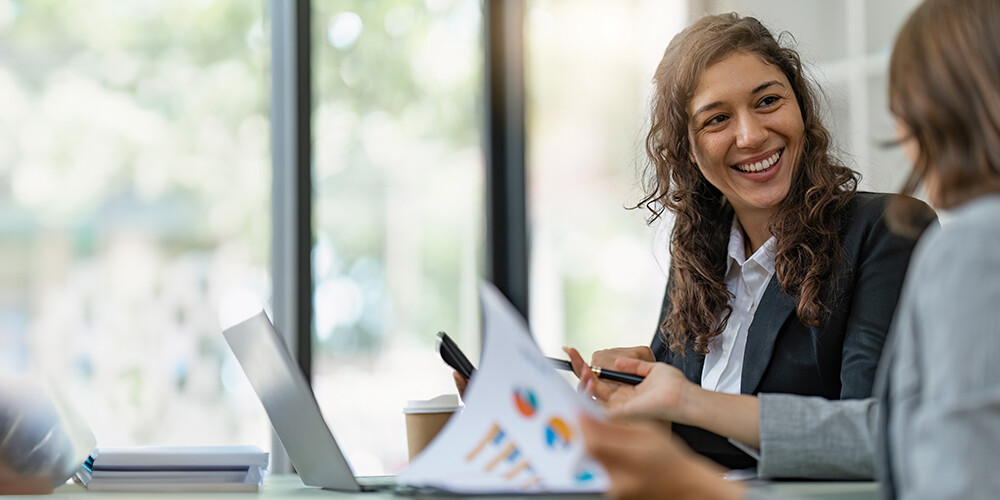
<point x="758" y="166"/>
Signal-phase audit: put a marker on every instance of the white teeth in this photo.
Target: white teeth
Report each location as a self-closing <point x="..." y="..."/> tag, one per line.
<point x="760" y="165"/>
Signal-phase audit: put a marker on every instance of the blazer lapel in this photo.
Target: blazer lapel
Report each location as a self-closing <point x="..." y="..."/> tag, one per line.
<point x="773" y="310"/>
<point x="694" y="363"/>
<point x="690" y="362"/>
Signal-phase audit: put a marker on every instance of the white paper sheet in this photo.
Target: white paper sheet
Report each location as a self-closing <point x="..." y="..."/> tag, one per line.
<point x="174" y="468"/>
<point x="519" y="431"/>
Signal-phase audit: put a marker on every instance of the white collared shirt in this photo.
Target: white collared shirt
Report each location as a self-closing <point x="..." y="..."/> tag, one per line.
<point x="746" y="279"/>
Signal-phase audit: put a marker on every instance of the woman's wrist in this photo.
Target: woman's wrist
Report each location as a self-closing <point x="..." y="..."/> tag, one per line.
<point x="734" y="416"/>
<point x="693" y="407"/>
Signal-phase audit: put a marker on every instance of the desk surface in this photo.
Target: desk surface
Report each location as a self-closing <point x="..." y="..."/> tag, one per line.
<point x="825" y="490"/>
<point x="289" y="486"/>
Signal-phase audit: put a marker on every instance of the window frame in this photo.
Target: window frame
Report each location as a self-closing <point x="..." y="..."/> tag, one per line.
<point x="292" y="204"/>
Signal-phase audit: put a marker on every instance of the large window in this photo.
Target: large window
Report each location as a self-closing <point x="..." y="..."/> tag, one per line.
<point x="398" y="210"/>
<point x="136" y="189"/>
<point x="136" y="177"/>
<point x="134" y="186"/>
<point x="597" y="272"/>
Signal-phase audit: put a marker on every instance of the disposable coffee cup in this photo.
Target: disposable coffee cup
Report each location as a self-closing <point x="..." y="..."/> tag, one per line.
<point x="425" y="418"/>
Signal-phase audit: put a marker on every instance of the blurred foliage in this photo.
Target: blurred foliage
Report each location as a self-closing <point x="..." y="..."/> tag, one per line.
<point x="139" y="112"/>
<point x="398" y="169"/>
<point x="134" y="194"/>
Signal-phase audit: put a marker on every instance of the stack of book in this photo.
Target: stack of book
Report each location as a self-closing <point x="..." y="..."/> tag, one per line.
<point x="174" y="468"/>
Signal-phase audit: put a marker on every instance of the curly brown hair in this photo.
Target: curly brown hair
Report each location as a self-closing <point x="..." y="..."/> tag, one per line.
<point x="806" y="222"/>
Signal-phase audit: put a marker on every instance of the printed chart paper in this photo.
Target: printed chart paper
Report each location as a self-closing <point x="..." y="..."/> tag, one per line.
<point x="519" y="431"/>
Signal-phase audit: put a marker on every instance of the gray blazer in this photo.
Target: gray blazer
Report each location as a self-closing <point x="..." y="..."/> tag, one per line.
<point x="815" y="438"/>
<point x="937" y="419"/>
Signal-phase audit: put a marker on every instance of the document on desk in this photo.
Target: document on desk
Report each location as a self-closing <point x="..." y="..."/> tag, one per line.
<point x="174" y="468"/>
<point x="519" y="431"/>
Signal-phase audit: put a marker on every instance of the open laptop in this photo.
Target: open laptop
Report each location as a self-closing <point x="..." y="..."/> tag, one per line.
<point x="292" y="408"/>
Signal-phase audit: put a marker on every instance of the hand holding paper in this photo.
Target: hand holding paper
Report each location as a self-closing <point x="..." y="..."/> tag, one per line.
<point x="520" y="430"/>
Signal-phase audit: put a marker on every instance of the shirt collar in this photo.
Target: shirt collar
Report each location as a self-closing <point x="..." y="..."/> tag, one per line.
<point x="764" y="256"/>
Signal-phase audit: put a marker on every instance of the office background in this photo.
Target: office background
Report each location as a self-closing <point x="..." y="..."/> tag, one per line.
<point x="357" y="166"/>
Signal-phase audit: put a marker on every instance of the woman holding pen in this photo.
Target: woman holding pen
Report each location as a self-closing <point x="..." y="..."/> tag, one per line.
<point x="936" y="419"/>
<point x="783" y="277"/>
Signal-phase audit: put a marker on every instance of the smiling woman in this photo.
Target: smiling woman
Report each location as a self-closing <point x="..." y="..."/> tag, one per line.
<point x="748" y="139"/>
<point x="767" y="222"/>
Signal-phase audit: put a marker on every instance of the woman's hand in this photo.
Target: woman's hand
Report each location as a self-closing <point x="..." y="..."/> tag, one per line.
<point x="460" y="382"/>
<point x="605" y="358"/>
<point x="644" y="463"/>
<point x="668" y="395"/>
<point x="601" y="390"/>
<point x="663" y="393"/>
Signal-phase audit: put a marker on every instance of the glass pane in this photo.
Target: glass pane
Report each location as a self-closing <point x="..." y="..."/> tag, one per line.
<point x="882" y="22"/>
<point x="888" y="167"/>
<point x="594" y="280"/>
<point x="134" y="186"/>
<point x="398" y="210"/>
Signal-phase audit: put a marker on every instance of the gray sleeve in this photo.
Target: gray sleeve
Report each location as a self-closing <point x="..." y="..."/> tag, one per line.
<point x="759" y="494"/>
<point x="944" y="427"/>
<point x="762" y="492"/>
<point x="812" y="437"/>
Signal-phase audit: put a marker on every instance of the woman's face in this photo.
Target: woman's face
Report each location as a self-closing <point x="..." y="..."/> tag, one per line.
<point x="911" y="148"/>
<point x="746" y="132"/>
<point x="905" y="138"/>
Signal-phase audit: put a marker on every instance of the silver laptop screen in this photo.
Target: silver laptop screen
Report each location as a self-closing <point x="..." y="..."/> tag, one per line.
<point x="290" y="404"/>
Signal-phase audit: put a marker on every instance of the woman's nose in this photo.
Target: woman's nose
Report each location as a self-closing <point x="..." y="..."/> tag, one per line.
<point x="750" y="132"/>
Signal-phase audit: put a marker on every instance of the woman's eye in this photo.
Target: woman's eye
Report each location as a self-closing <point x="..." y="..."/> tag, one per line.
<point x="715" y="120"/>
<point x="769" y="100"/>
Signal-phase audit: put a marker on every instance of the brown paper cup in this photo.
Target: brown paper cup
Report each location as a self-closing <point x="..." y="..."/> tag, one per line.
<point x="424" y="419"/>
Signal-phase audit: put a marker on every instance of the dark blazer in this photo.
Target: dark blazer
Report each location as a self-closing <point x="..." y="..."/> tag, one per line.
<point x="835" y="360"/>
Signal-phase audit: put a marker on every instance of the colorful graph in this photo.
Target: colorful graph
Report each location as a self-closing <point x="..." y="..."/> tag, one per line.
<point x="525" y="402"/>
<point x="557" y="434"/>
<point x="507" y="454"/>
<point x="494" y="436"/>
<point x="584" y="476"/>
<point x="497" y="454"/>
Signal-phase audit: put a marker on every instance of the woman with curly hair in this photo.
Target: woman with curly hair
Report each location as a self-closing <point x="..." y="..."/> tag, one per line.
<point x="935" y="421"/>
<point x="783" y="277"/>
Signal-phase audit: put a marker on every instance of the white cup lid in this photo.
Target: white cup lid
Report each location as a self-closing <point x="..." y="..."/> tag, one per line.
<point x="444" y="402"/>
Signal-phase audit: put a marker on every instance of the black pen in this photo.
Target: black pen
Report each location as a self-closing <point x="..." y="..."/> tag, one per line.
<point x="625" y="378"/>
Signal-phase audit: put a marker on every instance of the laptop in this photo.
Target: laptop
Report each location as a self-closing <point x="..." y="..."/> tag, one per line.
<point x="292" y="409"/>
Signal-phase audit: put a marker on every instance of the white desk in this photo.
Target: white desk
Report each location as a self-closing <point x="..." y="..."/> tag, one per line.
<point x="825" y="490"/>
<point x="289" y="487"/>
<point x="275" y="487"/>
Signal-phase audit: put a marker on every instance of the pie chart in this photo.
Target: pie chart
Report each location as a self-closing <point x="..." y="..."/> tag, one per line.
<point x="557" y="434"/>
<point x="525" y="402"/>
